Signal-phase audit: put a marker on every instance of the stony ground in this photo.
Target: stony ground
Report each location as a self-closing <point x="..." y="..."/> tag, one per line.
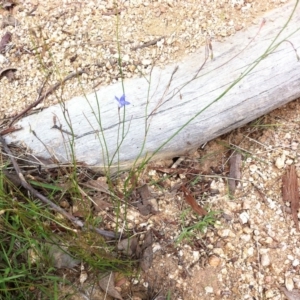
<point x="252" y="252"/>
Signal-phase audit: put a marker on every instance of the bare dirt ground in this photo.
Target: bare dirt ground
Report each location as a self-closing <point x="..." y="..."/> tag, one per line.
<point x="252" y="252"/>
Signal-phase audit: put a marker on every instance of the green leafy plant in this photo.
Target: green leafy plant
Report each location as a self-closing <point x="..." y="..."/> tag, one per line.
<point x="200" y="226"/>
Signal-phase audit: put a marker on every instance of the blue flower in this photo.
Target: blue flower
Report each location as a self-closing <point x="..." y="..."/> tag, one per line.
<point x="122" y="102"/>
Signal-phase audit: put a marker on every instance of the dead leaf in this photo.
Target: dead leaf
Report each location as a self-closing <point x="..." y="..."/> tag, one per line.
<point x="13" y="178"/>
<point x="128" y="246"/>
<point x="192" y="202"/>
<point x="147" y="259"/>
<point x="234" y="172"/>
<point x="293" y="295"/>
<point x="4" y="41"/>
<point x="147" y="255"/>
<point x="100" y="204"/>
<point x="107" y="284"/>
<point x="148" y="239"/>
<point x="290" y="192"/>
<point x="146" y="207"/>
<point x="99" y="185"/>
<point x="144" y="192"/>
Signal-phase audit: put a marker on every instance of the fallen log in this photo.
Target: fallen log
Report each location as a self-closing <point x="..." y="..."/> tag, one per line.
<point x="251" y="74"/>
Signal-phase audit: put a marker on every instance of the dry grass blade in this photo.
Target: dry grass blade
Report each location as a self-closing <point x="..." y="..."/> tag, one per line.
<point x="290" y="192"/>
<point x="192" y="202"/>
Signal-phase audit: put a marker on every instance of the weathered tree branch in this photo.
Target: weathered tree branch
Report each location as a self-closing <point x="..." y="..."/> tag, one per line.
<point x="210" y="103"/>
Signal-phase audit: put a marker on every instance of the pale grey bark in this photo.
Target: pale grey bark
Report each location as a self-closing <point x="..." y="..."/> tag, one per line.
<point x="272" y="83"/>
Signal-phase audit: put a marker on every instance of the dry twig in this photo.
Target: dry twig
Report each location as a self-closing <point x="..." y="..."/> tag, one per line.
<point x="41" y="98"/>
<point x="290" y="192"/>
<point x="151" y="43"/>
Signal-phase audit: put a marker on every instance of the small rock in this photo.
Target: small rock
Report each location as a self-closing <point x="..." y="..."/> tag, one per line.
<point x="287" y="136"/>
<point x="146" y="62"/>
<point x="276" y="269"/>
<point x="269" y="294"/>
<point x="247" y="230"/>
<point x="3" y="59"/>
<point x="253" y="168"/>
<point x="245" y="237"/>
<point x="265" y="260"/>
<point x="218" y="251"/>
<point x="214" y="261"/>
<point x="223" y="33"/>
<point x="280" y="161"/>
<point x="154" y="204"/>
<point x="295" y="263"/>
<point x="131" y="68"/>
<point x="268" y="240"/>
<point x="250" y="251"/>
<point x="238" y="27"/>
<point x="125" y="57"/>
<point x="294" y="146"/>
<point x="223" y="232"/>
<point x="244" y="217"/>
<point x="196" y="256"/>
<point x="156" y="247"/>
<point x="289" y="284"/>
<point x="247" y="204"/>
<point x="209" y="290"/>
<point x="229" y="246"/>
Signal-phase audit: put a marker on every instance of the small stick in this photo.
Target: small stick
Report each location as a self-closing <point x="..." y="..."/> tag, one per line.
<point x="114" y="12"/>
<point x="9" y="130"/>
<point x="45" y="200"/>
<point x="33" y="104"/>
<point x="151" y="43"/>
<point x="63" y="130"/>
<point x="41" y="98"/>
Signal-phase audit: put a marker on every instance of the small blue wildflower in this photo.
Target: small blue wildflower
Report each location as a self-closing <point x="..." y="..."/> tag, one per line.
<point x="122" y="102"/>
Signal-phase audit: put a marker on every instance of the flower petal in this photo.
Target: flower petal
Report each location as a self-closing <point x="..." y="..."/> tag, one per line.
<point x="122" y="99"/>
